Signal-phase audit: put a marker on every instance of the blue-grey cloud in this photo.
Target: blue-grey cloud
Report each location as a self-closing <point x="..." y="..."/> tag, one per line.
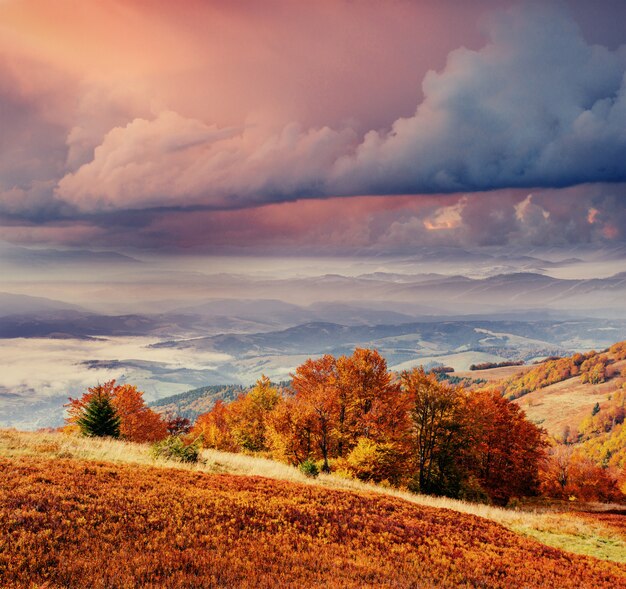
<point x="537" y="106"/>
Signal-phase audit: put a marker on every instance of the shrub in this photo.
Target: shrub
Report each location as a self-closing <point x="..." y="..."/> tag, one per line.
<point x="377" y="462"/>
<point x="309" y="468"/>
<point x="175" y="448"/>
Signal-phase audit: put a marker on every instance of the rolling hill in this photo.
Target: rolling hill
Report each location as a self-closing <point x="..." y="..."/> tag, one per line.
<point x="84" y="523"/>
<point x="567" y="403"/>
<point x="400" y="342"/>
<point x="557" y="394"/>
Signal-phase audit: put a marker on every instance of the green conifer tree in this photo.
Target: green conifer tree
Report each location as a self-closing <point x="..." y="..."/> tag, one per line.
<point x="99" y="418"/>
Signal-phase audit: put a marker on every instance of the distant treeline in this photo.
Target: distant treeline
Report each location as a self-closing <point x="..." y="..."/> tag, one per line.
<point x="488" y="365"/>
<point x="441" y="369"/>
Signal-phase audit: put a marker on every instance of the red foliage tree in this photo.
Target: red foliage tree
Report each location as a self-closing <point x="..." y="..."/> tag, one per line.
<point x="503" y="450"/>
<point x="177" y="425"/>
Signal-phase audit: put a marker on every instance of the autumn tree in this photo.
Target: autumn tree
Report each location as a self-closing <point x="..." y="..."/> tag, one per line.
<point x="315" y="384"/>
<point x="569" y="474"/>
<point x="248" y="415"/>
<point x="242" y="424"/>
<point x="471" y="444"/>
<point x="346" y="399"/>
<point x="502" y="449"/>
<point x="376" y="462"/>
<point x="213" y="428"/>
<point x="435" y="434"/>
<point x="555" y="472"/>
<point x="371" y="405"/>
<point x="291" y="432"/>
<point x="177" y="425"/>
<point x="137" y="422"/>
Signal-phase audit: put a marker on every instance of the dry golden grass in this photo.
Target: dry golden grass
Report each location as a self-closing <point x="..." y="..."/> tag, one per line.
<point x="99" y="525"/>
<point x="563" y="530"/>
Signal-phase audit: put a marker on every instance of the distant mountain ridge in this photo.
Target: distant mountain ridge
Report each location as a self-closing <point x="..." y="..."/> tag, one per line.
<point x="34" y="257"/>
<point x="24" y="305"/>
<point x="322" y="337"/>
<point x="383" y="298"/>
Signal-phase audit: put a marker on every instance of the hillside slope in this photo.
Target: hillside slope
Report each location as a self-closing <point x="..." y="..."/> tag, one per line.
<point x="84" y="524"/>
<point x="569" y="402"/>
<point x="559" y="393"/>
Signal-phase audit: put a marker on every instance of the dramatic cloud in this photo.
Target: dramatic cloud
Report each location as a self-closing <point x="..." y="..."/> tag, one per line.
<point x="227" y="126"/>
<point x="537" y="106"/>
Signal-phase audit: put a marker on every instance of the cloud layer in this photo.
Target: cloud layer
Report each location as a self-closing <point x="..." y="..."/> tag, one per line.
<point x="523" y="127"/>
<point x="536" y="106"/>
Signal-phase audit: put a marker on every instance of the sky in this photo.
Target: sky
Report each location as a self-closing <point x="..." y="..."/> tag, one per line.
<point x="334" y="126"/>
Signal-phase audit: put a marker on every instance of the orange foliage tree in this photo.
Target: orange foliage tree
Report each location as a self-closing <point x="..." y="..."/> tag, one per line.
<point x="213" y="428"/>
<point x="352" y="414"/>
<point x="138" y="423"/>
<point x="568" y="474"/>
<point x="346" y="399"/>
<point x="435" y="433"/>
<point x="470" y="444"/>
<point x="242" y="424"/>
<point x="248" y="415"/>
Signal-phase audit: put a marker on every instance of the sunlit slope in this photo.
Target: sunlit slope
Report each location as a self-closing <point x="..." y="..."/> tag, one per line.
<point x="565" y="530"/>
<point x="568" y="403"/>
<point x="84" y="524"/>
<point x="560" y="393"/>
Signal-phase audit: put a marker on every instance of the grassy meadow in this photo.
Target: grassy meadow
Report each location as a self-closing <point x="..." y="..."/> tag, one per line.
<point x="598" y="534"/>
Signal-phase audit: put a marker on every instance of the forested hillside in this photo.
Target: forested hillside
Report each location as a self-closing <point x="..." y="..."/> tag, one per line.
<point x="592" y="367"/>
<point x="197" y="401"/>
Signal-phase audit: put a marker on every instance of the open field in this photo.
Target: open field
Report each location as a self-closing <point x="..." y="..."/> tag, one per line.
<point x="566" y="530"/>
<point x="76" y="523"/>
